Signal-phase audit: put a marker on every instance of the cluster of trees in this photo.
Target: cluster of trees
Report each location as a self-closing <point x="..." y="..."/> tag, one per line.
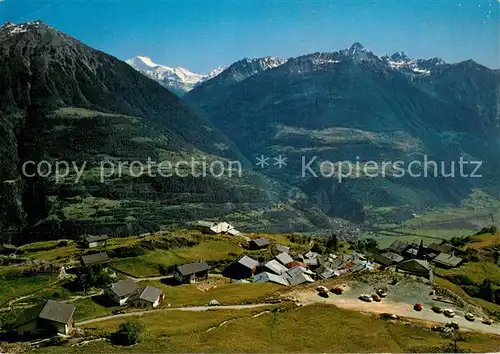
<point x="93" y="277"/>
<point x="487" y="230"/>
<point x="333" y="245"/>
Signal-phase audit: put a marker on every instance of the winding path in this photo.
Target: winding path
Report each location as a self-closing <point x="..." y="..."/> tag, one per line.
<point x="189" y="308"/>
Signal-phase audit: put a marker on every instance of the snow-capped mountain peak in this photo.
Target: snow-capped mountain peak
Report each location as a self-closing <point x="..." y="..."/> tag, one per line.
<point x="177" y="78"/>
<point x="401" y="62"/>
<point x="141" y="62"/>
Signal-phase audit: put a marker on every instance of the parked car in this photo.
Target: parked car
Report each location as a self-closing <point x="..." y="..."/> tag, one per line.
<point x="437" y="309"/>
<point x="366" y="298"/>
<point x="337" y="290"/>
<point x="417" y="307"/>
<point x="382" y="293"/>
<point x="449" y="313"/>
<point x="321" y="288"/>
<point x="323" y="294"/>
<point x="487" y="321"/>
<point x="453" y="325"/>
<point x="470" y="317"/>
<point x="376" y="298"/>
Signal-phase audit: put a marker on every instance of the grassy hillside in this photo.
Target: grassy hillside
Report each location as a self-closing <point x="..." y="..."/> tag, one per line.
<point x="315" y="328"/>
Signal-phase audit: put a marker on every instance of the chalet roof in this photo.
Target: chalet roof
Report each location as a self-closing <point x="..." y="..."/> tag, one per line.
<point x="192" y="268"/>
<point x="311" y="255"/>
<point x="248" y="262"/>
<point x="388" y="258"/>
<point x="150" y="294"/>
<point x="261" y="242"/>
<point x="281" y="248"/>
<point x="398" y="246"/>
<point x="284" y="258"/>
<point x="445" y="248"/>
<point x="124" y="287"/>
<point x="300" y="278"/>
<point x="91" y="239"/>
<point x="275" y="266"/>
<point x="57" y="312"/>
<point x="412" y="250"/>
<point x="203" y="223"/>
<point x="448" y="260"/>
<point x="415" y="265"/>
<point x="96" y="258"/>
<point x="265" y="277"/>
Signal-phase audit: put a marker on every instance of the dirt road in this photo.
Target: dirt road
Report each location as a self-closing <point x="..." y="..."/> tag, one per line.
<point x="190" y="308"/>
<point x="351" y="302"/>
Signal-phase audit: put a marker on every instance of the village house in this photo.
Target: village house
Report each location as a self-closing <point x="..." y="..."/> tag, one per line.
<point x="120" y="292"/>
<point x="417" y="267"/>
<point x="282" y="249"/>
<point x="147" y="298"/>
<point x="258" y="243"/>
<point x="275" y="267"/>
<point x="54" y="317"/>
<point x="96" y="241"/>
<point x="211" y="227"/>
<point x="388" y="258"/>
<point x="398" y="247"/>
<point x="446" y="260"/>
<point x="440" y="248"/>
<point x="284" y="258"/>
<point x="90" y="260"/>
<point x="266" y="277"/>
<point x="192" y="272"/>
<point x="242" y="268"/>
<point x="299" y="275"/>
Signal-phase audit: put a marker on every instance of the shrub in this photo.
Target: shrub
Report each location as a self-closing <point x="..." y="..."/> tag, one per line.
<point x="129" y="333"/>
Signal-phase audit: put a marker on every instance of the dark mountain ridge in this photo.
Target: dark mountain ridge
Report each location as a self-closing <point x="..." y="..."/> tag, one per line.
<point x="62" y="100"/>
<point x="354" y="105"/>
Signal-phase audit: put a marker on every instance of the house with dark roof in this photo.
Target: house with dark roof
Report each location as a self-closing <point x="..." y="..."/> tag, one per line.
<point x="148" y="297"/>
<point x="284" y="258"/>
<point x="416" y="267"/>
<point x="90" y="260"/>
<point x="388" y="258"/>
<point x="54" y="317"/>
<point x="258" y="243"/>
<point x="120" y="292"/>
<point x="191" y="272"/>
<point x="398" y="247"/>
<point x="440" y="248"/>
<point x="242" y="268"/>
<point x="411" y="252"/>
<point x="447" y="260"/>
<point x="96" y="241"/>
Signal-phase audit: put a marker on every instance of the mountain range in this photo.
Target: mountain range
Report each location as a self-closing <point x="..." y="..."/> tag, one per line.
<point x="177" y="79"/>
<point x="62" y="100"/>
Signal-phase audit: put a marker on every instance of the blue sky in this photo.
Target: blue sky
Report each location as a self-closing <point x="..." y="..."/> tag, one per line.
<point x="203" y="34"/>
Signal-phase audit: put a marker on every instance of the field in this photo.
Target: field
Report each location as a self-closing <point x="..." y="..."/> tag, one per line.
<point x="314" y="328"/>
<point x="476" y="271"/>
<point x="215" y="288"/>
<point x="435" y="225"/>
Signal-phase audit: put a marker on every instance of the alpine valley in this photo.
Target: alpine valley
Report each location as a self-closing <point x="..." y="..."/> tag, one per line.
<point x="62" y="100"/>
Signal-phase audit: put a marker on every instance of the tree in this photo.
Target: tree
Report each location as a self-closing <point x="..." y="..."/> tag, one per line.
<point x="129" y="333"/>
<point x="318" y="248"/>
<point x="333" y="243"/>
<point x="486" y="290"/>
<point x="95" y="276"/>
